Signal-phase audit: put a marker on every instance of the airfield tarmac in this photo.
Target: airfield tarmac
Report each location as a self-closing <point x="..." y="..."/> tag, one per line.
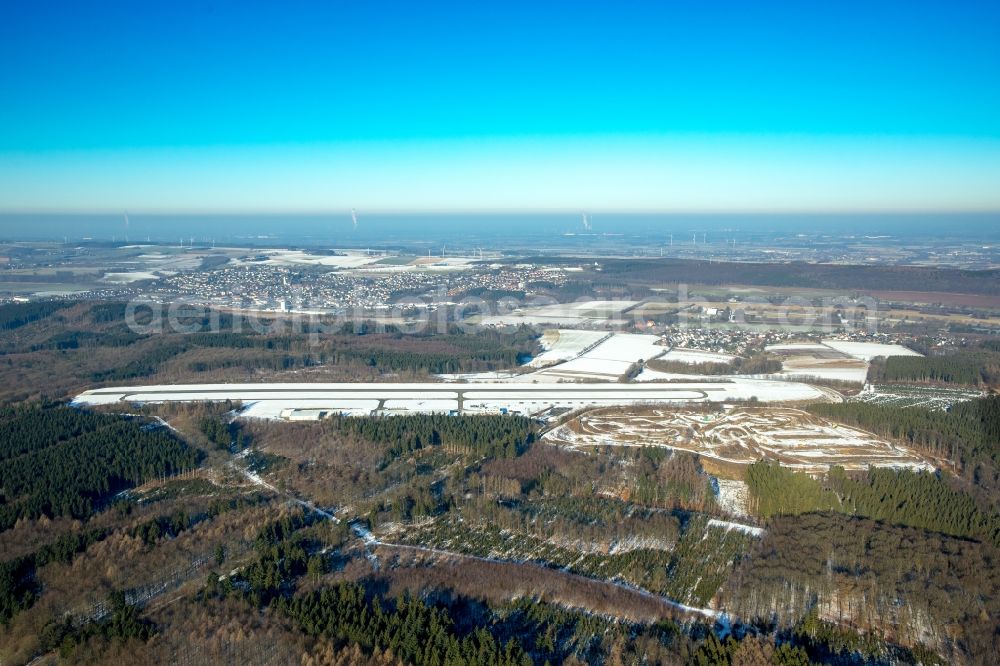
<point x="304" y="401"/>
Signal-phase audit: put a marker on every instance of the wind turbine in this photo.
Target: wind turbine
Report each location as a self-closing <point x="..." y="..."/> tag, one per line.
<point x="586" y="223"/>
<point x="354" y="219"/>
<point x="126" y="226"/>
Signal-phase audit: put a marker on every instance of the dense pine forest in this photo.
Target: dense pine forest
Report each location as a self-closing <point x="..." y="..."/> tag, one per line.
<point x="967" y="435"/>
<point x="58" y="461"/>
<point x="15" y="315"/>
<point x="969" y="368"/>
<point x="922" y="500"/>
<point x="493" y="436"/>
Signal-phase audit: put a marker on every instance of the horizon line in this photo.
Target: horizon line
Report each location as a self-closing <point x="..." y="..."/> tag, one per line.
<point x="346" y="210"/>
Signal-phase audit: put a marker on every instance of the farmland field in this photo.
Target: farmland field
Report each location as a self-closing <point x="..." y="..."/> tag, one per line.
<point x="565" y="344"/>
<point x="838" y="360"/>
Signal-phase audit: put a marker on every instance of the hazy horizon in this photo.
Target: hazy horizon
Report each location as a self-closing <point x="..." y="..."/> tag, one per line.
<point x="498" y="227"/>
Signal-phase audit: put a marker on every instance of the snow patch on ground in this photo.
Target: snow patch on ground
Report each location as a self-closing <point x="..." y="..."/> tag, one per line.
<point x="124" y="278"/>
<point x="732" y="496"/>
<point x="739" y="527"/>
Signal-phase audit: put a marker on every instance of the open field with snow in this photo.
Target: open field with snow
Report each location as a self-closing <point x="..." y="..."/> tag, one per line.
<point x="348" y="259"/>
<point x="866" y="351"/>
<point x="608" y="361"/>
<point x="697" y="356"/>
<point x="841" y="370"/>
<point x="577" y="356"/>
<point x="738" y="436"/>
<point x="124" y="278"/>
<point x="395" y="264"/>
<point x="564" y="344"/>
<point x="583" y="313"/>
<point x="839" y="360"/>
<point x="814" y="360"/>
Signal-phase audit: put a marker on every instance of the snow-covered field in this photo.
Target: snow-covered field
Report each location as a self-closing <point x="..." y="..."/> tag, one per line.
<point x="851" y="375"/>
<point x="422" y="264"/>
<point x="349" y="259"/>
<point x="432" y="405"/>
<point x="796" y="347"/>
<point x="839" y="360"/>
<point x="484" y="376"/>
<point x="136" y="276"/>
<point x="738" y="436"/>
<point x="564" y="344"/>
<point x="563" y="314"/>
<point x="575" y="356"/>
<point x="866" y="351"/>
<point x="839" y="369"/>
<point x="697" y="356"/>
<point x="605" y="362"/>
<point x="648" y="375"/>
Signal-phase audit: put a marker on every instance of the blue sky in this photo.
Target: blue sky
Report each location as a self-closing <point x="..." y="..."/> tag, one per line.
<point x="533" y="106"/>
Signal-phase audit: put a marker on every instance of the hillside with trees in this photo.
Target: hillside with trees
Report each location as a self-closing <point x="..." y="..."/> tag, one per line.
<point x="967" y="435"/>
<point x="979" y="368"/>
<point x="58" y="461"/>
<point x="912" y="585"/>
<point x="62" y="346"/>
<point x="920" y="500"/>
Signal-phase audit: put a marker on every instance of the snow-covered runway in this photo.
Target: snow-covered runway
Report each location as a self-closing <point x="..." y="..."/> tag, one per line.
<point x="314" y="400"/>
